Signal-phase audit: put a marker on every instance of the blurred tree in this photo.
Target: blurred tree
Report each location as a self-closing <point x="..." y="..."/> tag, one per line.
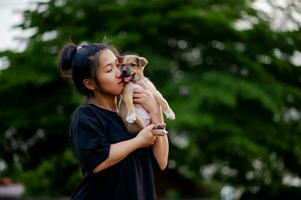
<point x="231" y="77"/>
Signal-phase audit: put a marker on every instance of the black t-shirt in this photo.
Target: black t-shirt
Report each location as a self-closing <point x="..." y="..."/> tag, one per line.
<point x="92" y="131"/>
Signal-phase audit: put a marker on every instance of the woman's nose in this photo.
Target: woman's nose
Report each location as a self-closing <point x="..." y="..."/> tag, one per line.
<point x="118" y="74"/>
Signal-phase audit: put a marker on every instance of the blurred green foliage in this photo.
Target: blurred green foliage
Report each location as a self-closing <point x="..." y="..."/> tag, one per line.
<point x="235" y="91"/>
<point x="53" y="176"/>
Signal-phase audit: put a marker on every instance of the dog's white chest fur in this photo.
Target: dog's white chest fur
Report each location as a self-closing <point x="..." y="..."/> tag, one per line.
<point x="140" y="110"/>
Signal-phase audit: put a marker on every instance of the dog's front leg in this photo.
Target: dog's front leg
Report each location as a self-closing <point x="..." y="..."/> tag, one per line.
<point x="127" y="98"/>
<point x="163" y="103"/>
<point x="165" y="107"/>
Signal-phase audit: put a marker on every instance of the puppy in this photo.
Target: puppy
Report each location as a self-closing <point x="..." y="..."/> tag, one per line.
<point x="134" y="116"/>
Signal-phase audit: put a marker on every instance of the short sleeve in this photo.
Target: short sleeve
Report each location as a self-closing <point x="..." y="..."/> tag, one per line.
<point x="90" y="144"/>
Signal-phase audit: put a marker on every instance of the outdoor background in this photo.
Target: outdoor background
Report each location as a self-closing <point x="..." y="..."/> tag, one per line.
<point x="230" y="69"/>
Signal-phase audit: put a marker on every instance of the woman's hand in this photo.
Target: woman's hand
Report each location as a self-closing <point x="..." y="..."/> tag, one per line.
<point x="147" y="100"/>
<point x="145" y="137"/>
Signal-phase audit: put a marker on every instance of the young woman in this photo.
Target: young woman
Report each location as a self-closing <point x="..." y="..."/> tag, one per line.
<point x="114" y="164"/>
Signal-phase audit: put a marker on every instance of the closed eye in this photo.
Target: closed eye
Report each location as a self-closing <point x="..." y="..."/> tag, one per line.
<point x="109" y="68"/>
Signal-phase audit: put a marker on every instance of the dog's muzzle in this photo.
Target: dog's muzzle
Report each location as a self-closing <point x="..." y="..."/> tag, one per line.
<point x="127" y="78"/>
<point x="124" y="72"/>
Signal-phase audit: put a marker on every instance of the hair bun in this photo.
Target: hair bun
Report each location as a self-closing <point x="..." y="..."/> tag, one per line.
<point x="65" y="60"/>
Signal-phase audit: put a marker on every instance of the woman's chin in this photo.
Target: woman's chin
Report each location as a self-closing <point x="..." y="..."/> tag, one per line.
<point x="119" y="92"/>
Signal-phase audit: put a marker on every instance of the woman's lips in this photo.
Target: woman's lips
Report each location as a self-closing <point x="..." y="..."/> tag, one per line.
<point x="121" y="81"/>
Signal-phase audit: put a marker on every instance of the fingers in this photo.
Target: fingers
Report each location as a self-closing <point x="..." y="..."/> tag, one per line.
<point x="141" y="97"/>
<point x="154" y="140"/>
<point x="143" y="92"/>
<point x="150" y="127"/>
<point x="138" y="95"/>
<point x="139" y="90"/>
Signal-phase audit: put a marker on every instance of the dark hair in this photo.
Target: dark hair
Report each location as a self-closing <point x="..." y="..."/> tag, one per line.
<point x="77" y="63"/>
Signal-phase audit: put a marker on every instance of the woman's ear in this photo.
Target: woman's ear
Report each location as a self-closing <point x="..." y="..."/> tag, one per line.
<point x="142" y="61"/>
<point x="88" y="83"/>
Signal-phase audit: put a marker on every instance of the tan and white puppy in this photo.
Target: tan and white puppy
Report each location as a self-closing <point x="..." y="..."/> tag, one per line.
<point x="134" y="116"/>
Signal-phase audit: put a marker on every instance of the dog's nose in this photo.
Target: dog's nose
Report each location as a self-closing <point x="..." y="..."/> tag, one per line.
<point x="124" y="72"/>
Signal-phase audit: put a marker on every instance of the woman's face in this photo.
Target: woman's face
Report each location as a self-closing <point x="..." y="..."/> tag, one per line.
<point x="108" y="74"/>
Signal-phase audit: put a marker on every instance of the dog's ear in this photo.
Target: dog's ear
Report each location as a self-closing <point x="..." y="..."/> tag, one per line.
<point x="142" y="61"/>
<point x="120" y="59"/>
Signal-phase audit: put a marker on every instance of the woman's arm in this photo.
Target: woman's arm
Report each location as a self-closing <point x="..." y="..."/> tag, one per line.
<point x="161" y="146"/>
<point x="160" y="150"/>
<point x="119" y="151"/>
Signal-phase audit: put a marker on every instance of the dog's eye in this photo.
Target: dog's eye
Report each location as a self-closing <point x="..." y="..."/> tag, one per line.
<point x="133" y="65"/>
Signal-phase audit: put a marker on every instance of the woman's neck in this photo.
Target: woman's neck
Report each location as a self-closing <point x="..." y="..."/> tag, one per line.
<point x="107" y="102"/>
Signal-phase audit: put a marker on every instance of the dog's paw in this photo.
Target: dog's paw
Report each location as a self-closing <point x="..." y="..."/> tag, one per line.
<point x="170" y="115"/>
<point x="160" y="126"/>
<point x="131" y="118"/>
<point x="159" y="132"/>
